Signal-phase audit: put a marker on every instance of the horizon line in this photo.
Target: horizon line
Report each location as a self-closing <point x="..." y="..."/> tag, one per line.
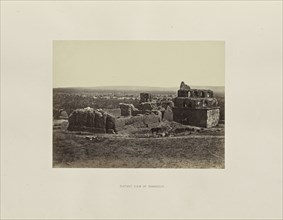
<point x="57" y="87"/>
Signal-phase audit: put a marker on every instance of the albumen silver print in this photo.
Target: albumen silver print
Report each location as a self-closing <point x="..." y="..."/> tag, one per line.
<point x="138" y="104"/>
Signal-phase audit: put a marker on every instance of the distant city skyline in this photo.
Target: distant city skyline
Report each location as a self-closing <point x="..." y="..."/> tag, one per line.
<point x="138" y="63"/>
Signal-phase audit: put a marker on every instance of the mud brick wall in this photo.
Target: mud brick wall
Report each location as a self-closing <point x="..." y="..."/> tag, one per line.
<point x="88" y="119"/>
<point x="82" y="117"/>
<point x="197" y="117"/>
<point x="145" y="97"/>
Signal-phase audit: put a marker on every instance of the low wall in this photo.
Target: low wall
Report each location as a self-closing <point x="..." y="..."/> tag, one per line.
<point x="99" y="121"/>
<point x="139" y="121"/>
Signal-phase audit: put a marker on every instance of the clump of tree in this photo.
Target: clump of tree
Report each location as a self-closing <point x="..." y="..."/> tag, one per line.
<point x="70" y="102"/>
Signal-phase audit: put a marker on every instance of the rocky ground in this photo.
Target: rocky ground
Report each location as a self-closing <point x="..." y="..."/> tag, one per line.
<point x="182" y="147"/>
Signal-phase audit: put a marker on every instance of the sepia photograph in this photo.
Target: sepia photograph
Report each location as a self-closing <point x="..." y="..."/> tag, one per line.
<point x="141" y="110"/>
<point x="138" y="104"/>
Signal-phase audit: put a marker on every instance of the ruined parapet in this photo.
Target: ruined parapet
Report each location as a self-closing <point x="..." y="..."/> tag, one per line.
<point x="145" y="97"/>
<point x="201" y="93"/>
<point x="184" y="93"/>
<point x="185" y="102"/>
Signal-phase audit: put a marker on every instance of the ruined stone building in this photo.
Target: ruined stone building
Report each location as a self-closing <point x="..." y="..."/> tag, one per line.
<point x="196" y="107"/>
<point x="99" y="121"/>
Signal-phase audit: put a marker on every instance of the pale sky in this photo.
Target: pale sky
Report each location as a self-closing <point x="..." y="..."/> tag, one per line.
<point x="138" y="63"/>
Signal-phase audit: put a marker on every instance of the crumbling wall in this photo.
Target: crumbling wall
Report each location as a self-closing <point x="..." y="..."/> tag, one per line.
<point x="139" y="121"/>
<point x="145" y="97"/>
<point x="183" y="93"/>
<point x="165" y="103"/>
<point x="147" y="106"/>
<point x="99" y="121"/>
<point x="184" y="86"/>
<point x="88" y="119"/>
<point x="201" y="93"/>
<point x="129" y="110"/>
<point x="126" y="109"/>
<point x="213" y="116"/>
<point x="197" y="117"/>
<point x="168" y="114"/>
<point x="184" y="90"/>
<point x="186" y="102"/>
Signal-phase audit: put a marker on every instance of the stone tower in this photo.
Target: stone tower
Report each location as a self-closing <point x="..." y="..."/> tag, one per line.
<point x="196" y="107"/>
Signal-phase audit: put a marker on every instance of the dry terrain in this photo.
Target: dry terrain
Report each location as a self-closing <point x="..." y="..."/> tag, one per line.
<point x="138" y="148"/>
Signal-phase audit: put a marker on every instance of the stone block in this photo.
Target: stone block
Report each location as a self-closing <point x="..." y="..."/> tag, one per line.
<point x="203" y="117"/>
